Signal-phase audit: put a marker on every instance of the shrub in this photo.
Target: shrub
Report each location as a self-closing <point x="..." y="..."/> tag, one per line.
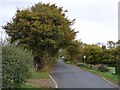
<point x="89" y="66"/>
<point x="68" y="62"/>
<point x="102" y="67"/>
<point x="82" y="65"/>
<point x="16" y="66"/>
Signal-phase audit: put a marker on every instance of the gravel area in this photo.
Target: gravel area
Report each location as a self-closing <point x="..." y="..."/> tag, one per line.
<point x="42" y="83"/>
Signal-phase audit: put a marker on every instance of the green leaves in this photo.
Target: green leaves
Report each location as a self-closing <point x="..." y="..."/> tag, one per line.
<point x="41" y="28"/>
<point x="96" y="54"/>
<point x="73" y="52"/>
<point x="16" y="66"/>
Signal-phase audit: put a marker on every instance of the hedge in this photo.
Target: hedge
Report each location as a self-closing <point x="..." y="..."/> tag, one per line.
<point x="16" y="66"/>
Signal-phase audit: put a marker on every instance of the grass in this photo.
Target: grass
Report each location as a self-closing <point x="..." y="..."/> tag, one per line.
<point x="31" y="87"/>
<point x="26" y="85"/>
<point x="35" y="75"/>
<point x="39" y="74"/>
<point x="109" y="76"/>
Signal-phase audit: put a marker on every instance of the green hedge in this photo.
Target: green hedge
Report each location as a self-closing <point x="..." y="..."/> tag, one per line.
<point x="16" y="66"/>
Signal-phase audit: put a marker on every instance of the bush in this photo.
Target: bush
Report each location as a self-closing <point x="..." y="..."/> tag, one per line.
<point x="89" y="66"/>
<point x="16" y="66"/>
<point x="68" y="62"/>
<point x="82" y="65"/>
<point x="102" y="67"/>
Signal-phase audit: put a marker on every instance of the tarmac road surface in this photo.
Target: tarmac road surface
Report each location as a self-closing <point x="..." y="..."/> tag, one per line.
<point x="69" y="76"/>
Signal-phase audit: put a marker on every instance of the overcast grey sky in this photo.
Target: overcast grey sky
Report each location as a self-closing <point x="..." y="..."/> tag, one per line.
<point x="96" y="20"/>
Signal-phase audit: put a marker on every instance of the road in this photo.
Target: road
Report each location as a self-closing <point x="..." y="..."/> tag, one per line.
<point x="69" y="76"/>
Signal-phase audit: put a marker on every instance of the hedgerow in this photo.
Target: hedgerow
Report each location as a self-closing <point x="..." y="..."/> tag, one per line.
<point x="16" y="66"/>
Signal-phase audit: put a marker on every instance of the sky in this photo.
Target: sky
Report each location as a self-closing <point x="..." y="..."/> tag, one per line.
<point x="96" y="20"/>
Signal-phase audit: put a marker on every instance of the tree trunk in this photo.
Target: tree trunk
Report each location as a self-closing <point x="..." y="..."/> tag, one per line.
<point x="38" y="65"/>
<point x="46" y="61"/>
<point x="116" y="70"/>
<point x="41" y="61"/>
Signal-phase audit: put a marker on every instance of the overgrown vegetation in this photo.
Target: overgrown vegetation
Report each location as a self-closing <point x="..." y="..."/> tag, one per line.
<point x="16" y="66"/>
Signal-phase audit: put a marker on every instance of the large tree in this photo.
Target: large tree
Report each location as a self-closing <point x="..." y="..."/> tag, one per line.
<point x="42" y="28"/>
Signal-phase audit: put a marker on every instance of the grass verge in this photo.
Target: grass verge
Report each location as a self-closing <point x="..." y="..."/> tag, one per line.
<point x="26" y="85"/>
<point x="35" y="75"/>
<point x="39" y="74"/>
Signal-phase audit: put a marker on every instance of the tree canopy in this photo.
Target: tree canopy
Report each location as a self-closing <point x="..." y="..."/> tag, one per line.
<point x="74" y="52"/>
<point x="42" y="28"/>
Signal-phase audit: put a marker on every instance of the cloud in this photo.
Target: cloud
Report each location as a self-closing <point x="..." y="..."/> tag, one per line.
<point x="93" y="33"/>
<point x="96" y="20"/>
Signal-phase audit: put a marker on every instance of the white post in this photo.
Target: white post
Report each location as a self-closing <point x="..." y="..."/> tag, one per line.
<point x="84" y="58"/>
